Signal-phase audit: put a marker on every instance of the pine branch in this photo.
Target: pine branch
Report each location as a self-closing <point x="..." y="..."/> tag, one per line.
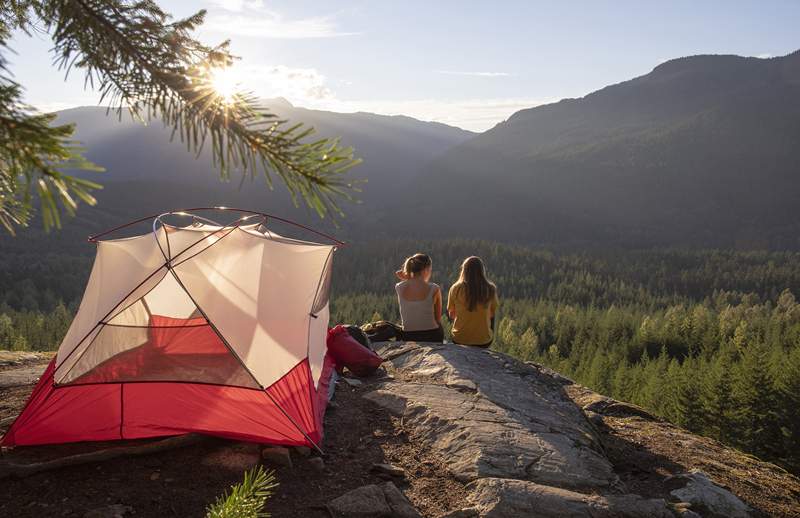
<point x="141" y="61"/>
<point x="33" y="155"/>
<point x="154" y="67"/>
<point x="246" y="499"/>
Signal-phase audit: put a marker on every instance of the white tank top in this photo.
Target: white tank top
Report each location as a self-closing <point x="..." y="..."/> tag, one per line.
<point x="417" y="315"/>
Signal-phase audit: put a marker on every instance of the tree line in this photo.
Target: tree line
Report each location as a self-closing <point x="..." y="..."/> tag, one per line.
<point x="708" y="339"/>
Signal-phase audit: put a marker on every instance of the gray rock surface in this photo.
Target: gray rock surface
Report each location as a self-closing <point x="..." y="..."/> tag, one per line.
<point x="503" y="498"/>
<point x="372" y="501"/>
<point x="591" y="401"/>
<point x="509" y="430"/>
<point x="491" y="416"/>
<point x="703" y="493"/>
<point x="21" y="376"/>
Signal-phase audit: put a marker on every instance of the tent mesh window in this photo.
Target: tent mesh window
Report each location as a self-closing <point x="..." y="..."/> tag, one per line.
<point x="160" y="337"/>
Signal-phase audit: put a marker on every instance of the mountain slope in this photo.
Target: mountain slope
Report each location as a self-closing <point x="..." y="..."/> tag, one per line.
<point x="147" y="172"/>
<point x="702" y="150"/>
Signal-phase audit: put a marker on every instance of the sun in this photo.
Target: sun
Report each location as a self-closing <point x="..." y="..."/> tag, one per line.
<point x="225" y="83"/>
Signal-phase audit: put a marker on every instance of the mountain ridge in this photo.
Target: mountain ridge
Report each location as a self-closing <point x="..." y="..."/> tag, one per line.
<point x="700" y="151"/>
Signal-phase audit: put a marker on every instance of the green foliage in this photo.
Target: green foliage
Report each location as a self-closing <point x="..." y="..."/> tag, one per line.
<point x="33" y="330"/>
<point x="707" y="339"/>
<point x="33" y="156"/>
<point x="247" y="498"/>
<point x="141" y="60"/>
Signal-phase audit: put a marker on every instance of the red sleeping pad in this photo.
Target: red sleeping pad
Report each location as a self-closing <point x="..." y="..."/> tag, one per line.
<point x="348" y="352"/>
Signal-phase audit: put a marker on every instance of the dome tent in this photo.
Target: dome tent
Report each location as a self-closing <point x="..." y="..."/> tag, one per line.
<point x="208" y="328"/>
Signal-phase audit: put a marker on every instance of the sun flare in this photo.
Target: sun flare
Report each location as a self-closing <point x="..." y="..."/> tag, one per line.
<point x="225" y="83"/>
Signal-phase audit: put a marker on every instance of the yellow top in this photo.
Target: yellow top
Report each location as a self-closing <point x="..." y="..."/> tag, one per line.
<point x="471" y="327"/>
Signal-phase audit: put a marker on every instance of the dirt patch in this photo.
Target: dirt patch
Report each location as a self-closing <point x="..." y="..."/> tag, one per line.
<point x="17" y="359"/>
<point x="645" y="452"/>
<point x="176" y="483"/>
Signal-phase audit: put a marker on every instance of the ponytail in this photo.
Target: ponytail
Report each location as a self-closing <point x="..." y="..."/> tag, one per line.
<point x="416" y="264"/>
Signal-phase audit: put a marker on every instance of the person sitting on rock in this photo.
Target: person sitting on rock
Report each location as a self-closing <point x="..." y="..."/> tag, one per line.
<point x="420" y="301"/>
<point x="471" y="305"/>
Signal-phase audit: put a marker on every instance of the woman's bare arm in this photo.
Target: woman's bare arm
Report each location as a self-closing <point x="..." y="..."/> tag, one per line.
<point x="437" y="306"/>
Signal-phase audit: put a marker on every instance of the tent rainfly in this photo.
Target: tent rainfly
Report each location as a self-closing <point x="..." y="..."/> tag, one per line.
<point x="207" y="328"/>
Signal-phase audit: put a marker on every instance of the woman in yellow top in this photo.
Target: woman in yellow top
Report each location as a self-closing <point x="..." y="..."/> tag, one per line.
<point x="471" y="304"/>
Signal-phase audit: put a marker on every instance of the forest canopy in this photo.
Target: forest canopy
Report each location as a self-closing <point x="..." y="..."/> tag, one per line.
<point x="708" y="339"/>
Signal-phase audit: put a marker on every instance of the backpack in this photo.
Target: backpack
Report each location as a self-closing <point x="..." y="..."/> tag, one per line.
<point x="360" y="336"/>
<point x="348" y="352"/>
<point x="382" y="331"/>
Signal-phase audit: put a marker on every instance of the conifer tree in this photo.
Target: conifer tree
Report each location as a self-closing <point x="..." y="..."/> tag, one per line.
<point x="655" y="372"/>
<point x="716" y="398"/>
<point x="139" y="59"/>
<point x="687" y="395"/>
<point x="789" y="394"/>
<point x="755" y="402"/>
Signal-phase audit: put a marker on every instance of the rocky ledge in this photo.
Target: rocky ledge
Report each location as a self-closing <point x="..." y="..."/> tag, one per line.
<point x="509" y="431"/>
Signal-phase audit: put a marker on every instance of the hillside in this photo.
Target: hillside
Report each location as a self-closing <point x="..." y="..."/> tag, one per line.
<point x="702" y="151"/>
<point x="440" y="431"/>
<point x="147" y="172"/>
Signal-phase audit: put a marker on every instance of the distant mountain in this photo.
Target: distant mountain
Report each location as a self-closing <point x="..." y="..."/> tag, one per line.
<point x="147" y="171"/>
<point x="703" y="150"/>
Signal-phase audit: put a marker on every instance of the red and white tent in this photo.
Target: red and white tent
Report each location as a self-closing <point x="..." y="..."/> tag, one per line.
<point x="208" y="328"/>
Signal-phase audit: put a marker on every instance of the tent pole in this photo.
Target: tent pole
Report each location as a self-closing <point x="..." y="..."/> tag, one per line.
<point x="94" y="238"/>
<point x="168" y="265"/>
<point x="230" y="349"/>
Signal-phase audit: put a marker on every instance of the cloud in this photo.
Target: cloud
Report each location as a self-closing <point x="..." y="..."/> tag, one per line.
<point x="309" y="88"/>
<point x="238" y="5"/>
<point x="475" y="74"/>
<point x="298" y="85"/>
<point x="766" y="55"/>
<point x="251" y="18"/>
<point x="470" y="114"/>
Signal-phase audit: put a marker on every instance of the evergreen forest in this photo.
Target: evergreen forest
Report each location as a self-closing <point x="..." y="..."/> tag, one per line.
<point x="707" y="339"/>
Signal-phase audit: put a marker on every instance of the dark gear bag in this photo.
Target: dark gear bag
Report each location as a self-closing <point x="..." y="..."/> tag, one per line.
<point x="382" y="331"/>
<point x="360" y="336"/>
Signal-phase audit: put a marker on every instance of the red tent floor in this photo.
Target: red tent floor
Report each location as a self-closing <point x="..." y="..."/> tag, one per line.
<point x="136" y="410"/>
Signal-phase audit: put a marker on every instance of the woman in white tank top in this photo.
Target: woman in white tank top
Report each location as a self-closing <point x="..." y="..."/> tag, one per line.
<point x="420" y="301"/>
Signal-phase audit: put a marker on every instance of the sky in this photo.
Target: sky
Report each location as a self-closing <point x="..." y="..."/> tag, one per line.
<point x="466" y="63"/>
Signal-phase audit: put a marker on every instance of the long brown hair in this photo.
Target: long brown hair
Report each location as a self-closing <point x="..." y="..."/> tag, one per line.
<point x="478" y="289"/>
<point x="416" y="264"/>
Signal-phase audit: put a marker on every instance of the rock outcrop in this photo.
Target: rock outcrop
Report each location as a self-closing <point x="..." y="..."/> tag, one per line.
<point x="702" y="492"/>
<point x="508" y="431"/>
<point x="372" y="501"/>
